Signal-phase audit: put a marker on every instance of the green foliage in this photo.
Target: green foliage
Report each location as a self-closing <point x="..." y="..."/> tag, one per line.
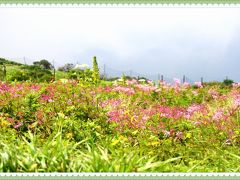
<point x="81" y="75"/>
<point x="3" y="72"/>
<point x="96" y="74"/>
<point x="212" y="83"/>
<point x="227" y="82"/>
<point x="19" y="75"/>
<point x="62" y="75"/>
<point x="43" y="64"/>
<point x="66" y="68"/>
<point x="124" y="78"/>
<point x="5" y="61"/>
<point x="33" y="73"/>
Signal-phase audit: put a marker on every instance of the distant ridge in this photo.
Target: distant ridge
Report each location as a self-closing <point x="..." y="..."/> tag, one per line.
<point x="5" y="61"/>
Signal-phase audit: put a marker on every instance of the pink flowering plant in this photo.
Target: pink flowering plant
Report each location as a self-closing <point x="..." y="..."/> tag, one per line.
<point x="77" y="126"/>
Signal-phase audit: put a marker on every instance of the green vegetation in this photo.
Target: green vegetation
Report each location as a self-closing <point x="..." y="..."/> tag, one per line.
<point x="66" y="68"/>
<point x="43" y="64"/>
<point x="75" y="125"/>
<point x="32" y="73"/>
<point x="228" y="82"/>
<point x="96" y="74"/>
<point x="39" y="72"/>
<point x="7" y="62"/>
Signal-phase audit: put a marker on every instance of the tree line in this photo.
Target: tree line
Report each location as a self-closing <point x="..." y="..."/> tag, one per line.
<point x="44" y="71"/>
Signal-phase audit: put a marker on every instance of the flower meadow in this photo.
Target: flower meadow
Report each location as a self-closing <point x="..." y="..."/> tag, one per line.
<point x="132" y="126"/>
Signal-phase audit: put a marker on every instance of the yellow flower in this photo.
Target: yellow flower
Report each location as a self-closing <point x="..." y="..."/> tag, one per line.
<point x="123" y="138"/>
<point x="115" y="142"/>
<point x="69" y="135"/>
<point x="4" y="123"/>
<point x="188" y="135"/>
<point x="154" y="143"/>
<point x="98" y="127"/>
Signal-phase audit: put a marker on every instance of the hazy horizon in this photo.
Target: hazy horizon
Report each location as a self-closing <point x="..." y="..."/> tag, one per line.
<point x="195" y="42"/>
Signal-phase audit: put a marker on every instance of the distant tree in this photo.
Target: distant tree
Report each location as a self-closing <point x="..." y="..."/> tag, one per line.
<point x="96" y="74"/>
<point x="36" y="63"/>
<point x="67" y="67"/>
<point x="228" y="82"/>
<point x="44" y="64"/>
<point x="4" y="61"/>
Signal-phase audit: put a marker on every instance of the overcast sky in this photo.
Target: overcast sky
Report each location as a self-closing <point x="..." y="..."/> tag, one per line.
<point x="197" y="42"/>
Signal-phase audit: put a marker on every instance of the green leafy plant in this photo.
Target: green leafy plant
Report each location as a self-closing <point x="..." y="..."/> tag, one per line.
<point x="96" y="74"/>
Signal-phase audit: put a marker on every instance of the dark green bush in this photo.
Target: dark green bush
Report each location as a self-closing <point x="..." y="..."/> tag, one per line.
<point x="228" y="82"/>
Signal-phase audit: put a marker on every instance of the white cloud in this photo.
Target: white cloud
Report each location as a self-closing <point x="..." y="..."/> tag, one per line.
<point x="179" y="34"/>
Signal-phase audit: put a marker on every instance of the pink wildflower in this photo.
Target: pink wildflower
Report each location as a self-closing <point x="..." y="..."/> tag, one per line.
<point x="177" y="82"/>
<point x="236" y="85"/>
<point x="218" y="115"/>
<point x="111" y="102"/>
<point x="132" y="82"/>
<point x="194" y="108"/>
<point x="171" y="112"/>
<point x="237" y="102"/>
<point x="198" y="84"/>
<point x="150" y="82"/>
<point x="35" y="87"/>
<point x="11" y="120"/>
<point x="195" y="93"/>
<point x="146" y="88"/>
<point x="166" y="133"/>
<point x="115" y="115"/>
<point x="163" y="83"/>
<point x="126" y="90"/>
<point x="236" y="99"/>
<point x="213" y="93"/>
<point x="47" y="98"/>
<point x="4" y="87"/>
<point x="186" y="84"/>
<point x="197" y="123"/>
<point x="18" y="125"/>
<point x="179" y="135"/>
<point x="108" y="89"/>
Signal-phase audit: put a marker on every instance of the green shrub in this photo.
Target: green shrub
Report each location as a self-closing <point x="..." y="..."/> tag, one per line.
<point x="81" y="75"/>
<point x="228" y="82"/>
<point x="33" y="73"/>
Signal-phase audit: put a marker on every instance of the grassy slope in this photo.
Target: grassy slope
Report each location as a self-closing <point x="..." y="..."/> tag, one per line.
<point x="11" y="68"/>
